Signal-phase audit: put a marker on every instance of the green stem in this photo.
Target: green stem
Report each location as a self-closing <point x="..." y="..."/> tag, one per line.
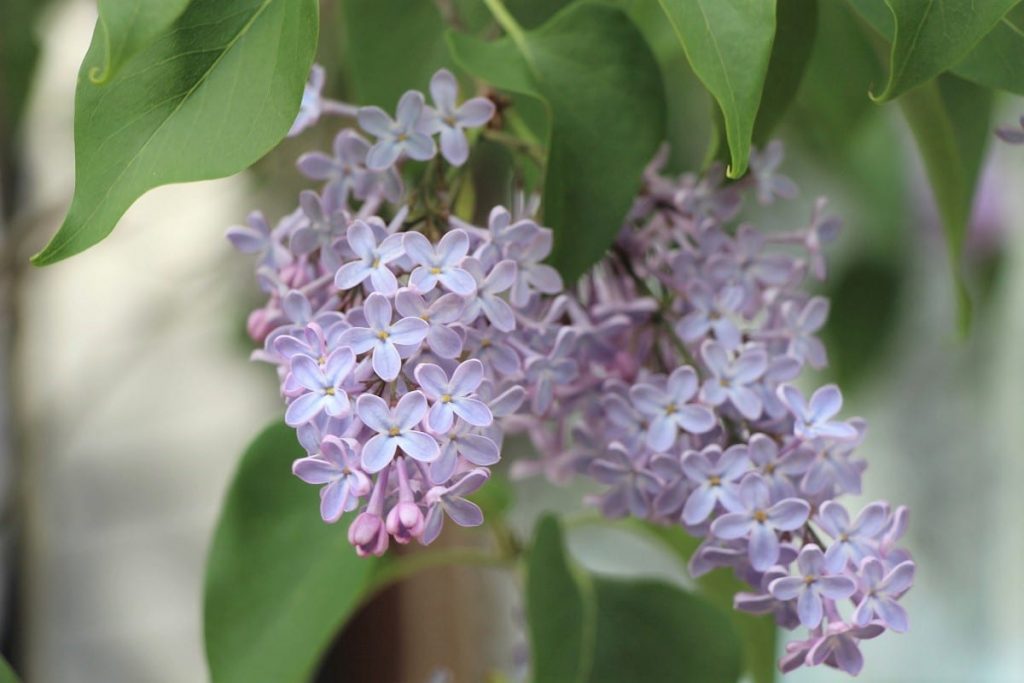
<point x="512" y="28"/>
<point x="516" y="144"/>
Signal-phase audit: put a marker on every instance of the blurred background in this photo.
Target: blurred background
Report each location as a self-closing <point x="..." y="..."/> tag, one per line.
<point x="126" y="394"/>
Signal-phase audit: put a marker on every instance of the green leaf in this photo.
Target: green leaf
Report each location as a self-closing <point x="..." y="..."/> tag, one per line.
<point x="19" y="50"/>
<point x="996" y="61"/>
<point x="279" y="582"/>
<point x="796" y="26"/>
<point x="729" y="45"/>
<point x="602" y="88"/>
<point x="557" y="610"/>
<point x="950" y="121"/>
<point x="392" y="46"/>
<point x="596" y="630"/>
<point x="7" y="674"/>
<point x="930" y="36"/>
<point x="209" y="96"/>
<point x="127" y="26"/>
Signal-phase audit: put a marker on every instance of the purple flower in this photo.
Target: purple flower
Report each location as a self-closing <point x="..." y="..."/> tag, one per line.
<point x="256" y="238"/>
<point x="632" y="486"/>
<point x="492" y="348"/>
<point x="731" y="377"/>
<point x="713" y="311"/>
<point x="532" y="275"/>
<point x="321" y="226"/>
<point x="439" y="315"/>
<point x="487" y="299"/>
<point x="753" y="516"/>
<point x="838" y="647"/>
<point x="763" y="167"/>
<point x="777" y="469"/>
<point x="336" y="468"/>
<point x="452" y="501"/>
<point x="881" y="591"/>
<point x="817" y="579"/>
<point x="440" y="265"/>
<point x="453" y="397"/>
<point x="669" y="410"/>
<point x="823" y="231"/>
<point x="346" y="173"/>
<point x="801" y="325"/>
<point x="382" y="336"/>
<point x="814" y="420"/>
<point x="373" y="259"/>
<point x="404" y="134"/>
<point x="852" y="542"/>
<point x="451" y="120"/>
<point x="322" y="385"/>
<point x="312" y="104"/>
<point x="544" y="373"/>
<point x="716" y="474"/>
<point x="395" y="430"/>
<point x="463" y="439"/>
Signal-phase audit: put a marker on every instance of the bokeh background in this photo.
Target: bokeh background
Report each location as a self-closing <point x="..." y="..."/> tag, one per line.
<point x="126" y="397"/>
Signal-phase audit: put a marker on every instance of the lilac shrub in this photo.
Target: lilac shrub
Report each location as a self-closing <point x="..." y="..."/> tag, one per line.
<point x="408" y="345"/>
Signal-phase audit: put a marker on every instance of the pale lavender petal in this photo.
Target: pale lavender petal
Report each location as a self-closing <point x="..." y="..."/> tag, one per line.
<point x="699" y="505"/>
<point x="409" y="331"/>
<point x="443" y="90"/>
<point x="499" y="313"/>
<point x="463" y="512"/>
<point x="378" y="451"/>
<point x="789" y="514"/>
<point x="419" y="249"/>
<point x="432" y="380"/>
<point x="420" y="147"/>
<point x="333" y="500"/>
<point x="459" y="281"/>
<point x="682" y="384"/>
<point x="410" y="410"/>
<point x="383" y="154"/>
<point x="733" y="525"/>
<point x="361" y="240"/>
<point x="848" y="656"/>
<point x="836" y="587"/>
<point x="419" y="445"/>
<point x="441" y="417"/>
<point x="423" y="279"/>
<point x="303" y="409"/>
<point x="374" y="121"/>
<point x="351" y="275"/>
<point x="662" y="433"/>
<point x="479" y="450"/>
<point x="475" y="112"/>
<point x="474" y="412"/>
<point x="900" y="578"/>
<point x="808" y="608"/>
<point x="377" y="311"/>
<point x="315" y="470"/>
<point x="445" y="342"/>
<point x="787" y="587"/>
<point x="383" y="281"/>
<point x="696" y="419"/>
<point x="746" y="401"/>
<point x="467" y="377"/>
<point x="893" y="614"/>
<point x="454" y="146"/>
<point x="825" y="403"/>
<point x="358" y="339"/>
<point x="374" y="412"/>
<point x="307" y="374"/>
<point x="764" y="547"/>
<point x="410" y="106"/>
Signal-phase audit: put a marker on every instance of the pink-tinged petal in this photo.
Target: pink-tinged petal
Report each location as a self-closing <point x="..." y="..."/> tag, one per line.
<point x="545" y="279"/>
<point x="419" y="249"/>
<point x="893" y="614"/>
<point x="419" y="446"/>
<point x="699" y="505"/>
<point x="358" y="339"/>
<point x="499" y="313"/>
<point x="377" y="310"/>
<point x="423" y="280"/>
<point x="443" y="90"/>
<point x="454" y="146"/>
<point x="374" y="412"/>
<point x="899" y="579"/>
<point x="306" y="372"/>
<point x="473" y="411"/>
<point x="746" y="401"/>
<point x="441" y="417"/>
<point x="467" y="377"/>
<point x="789" y="514"/>
<point x="247" y="240"/>
<point x="432" y="380"/>
<point x="383" y="281"/>
<point x="662" y="433"/>
<point x="508" y="402"/>
<point x="303" y="409"/>
<point x="409" y="331"/>
<point x="825" y="403"/>
<point x="715" y="357"/>
<point x="410" y="106"/>
<point x="848" y="656"/>
<point x="383" y="155"/>
<point x="333" y="501"/>
<point x="361" y="240"/>
<point x="787" y="587"/>
<point x="374" y="121"/>
<point x="463" y="512"/>
<point x="410" y="410"/>
<point x="479" y="450"/>
<point x="696" y="419"/>
<point x="441" y="470"/>
<point x="445" y="342"/>
<point x="764" y="547"/>
<point x="682" y="384"/>
<point x="458" y="281"/>
<point x="647" y="399"/>
<point x="820" y="651"/>
<point x="808" y="608"/>
<point x="501" y="277"/>
<point x="475" y="112"/>
<point x="432" y="525"/>
<point x="378" y="452"/>
<point x="420" y="147"/>
<point x="351" y="275"/>
<point x="315" y="470"/>
<point x="864" y="612"/>
<point x="836" y="587"/>
<point x="732" y="525"/>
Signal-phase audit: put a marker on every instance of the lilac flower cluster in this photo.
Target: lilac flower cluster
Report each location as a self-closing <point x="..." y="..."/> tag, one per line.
<point x="408" y="346"/>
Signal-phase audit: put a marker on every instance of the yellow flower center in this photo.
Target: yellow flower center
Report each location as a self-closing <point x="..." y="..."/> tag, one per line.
<point x="394" y="431"/>
<point x="760" y="516"/>
<point x="383" y="335"/>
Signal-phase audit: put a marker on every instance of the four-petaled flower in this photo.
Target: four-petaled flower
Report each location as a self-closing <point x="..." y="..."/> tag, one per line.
<point x="336" y="467"/>
<point x="669" y="409"/>
<point x="404" y="134"/>
<point x="451" y="120"/>
<point x="716" y="474"/>
<point x="382" y="336"/>
<point x="852" y="542"/>
<point x="818" y="579"/>
<point x="395" y="430"/>
<point x="452" y="501"/>
<point x="454" y="397"/>
<point x="730" y="377"/>
<point x="373" y="259"/>
<point x="881" y="590"/>
<point x="752" y="515"/>
<point x="814" y="418"/>
<point x="440" y="264"/>
<point x="323" y="385"/>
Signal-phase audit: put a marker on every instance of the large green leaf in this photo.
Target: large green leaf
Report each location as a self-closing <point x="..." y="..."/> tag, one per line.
<point x="209" y="96"/>
<point x="795" y="37"/>
<point x="729" y="45"/>
<point x="950" y="121"/>
<point x="279" y="582"/>
<point x="929" y="36"/>
<point x="997" y="60"/>
<point x="595" y="73"/>
<point x="598" y="630"/>
<point x="392" y="46"/>
<point x="7" y="674"/>
<point x="127" y="26"/>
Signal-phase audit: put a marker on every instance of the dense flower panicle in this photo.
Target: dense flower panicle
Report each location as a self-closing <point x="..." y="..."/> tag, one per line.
<point x="666" y="374"/>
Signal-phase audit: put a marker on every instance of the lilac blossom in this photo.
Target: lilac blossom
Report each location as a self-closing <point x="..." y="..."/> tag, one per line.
<point x="440" y="265"/>
<point x="881" y="590"/>
<point x="817" y="581"/>
<point x="322" y="385"/>
<point x="336" y="468"/>
<point x="454" y="397"/>
<point x="451" y="120"/>
<point x="752" y="515"/>
<point x="383" y="337"/>
<point x="716" y="475"/>
<point x="852" y="542"/>
<point x="451" y="501"/>
<point x="346" y="174"/>
<point x="395" y="430"/>
<point x="373" y="259"/>
<point x="402" y="135"/>
<point x="439" y="316"/>
<point x="814" y="418"/>
<point x="731" y="376"/>
<point x="669" y="409"/>
<point x="632" y="486"/>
